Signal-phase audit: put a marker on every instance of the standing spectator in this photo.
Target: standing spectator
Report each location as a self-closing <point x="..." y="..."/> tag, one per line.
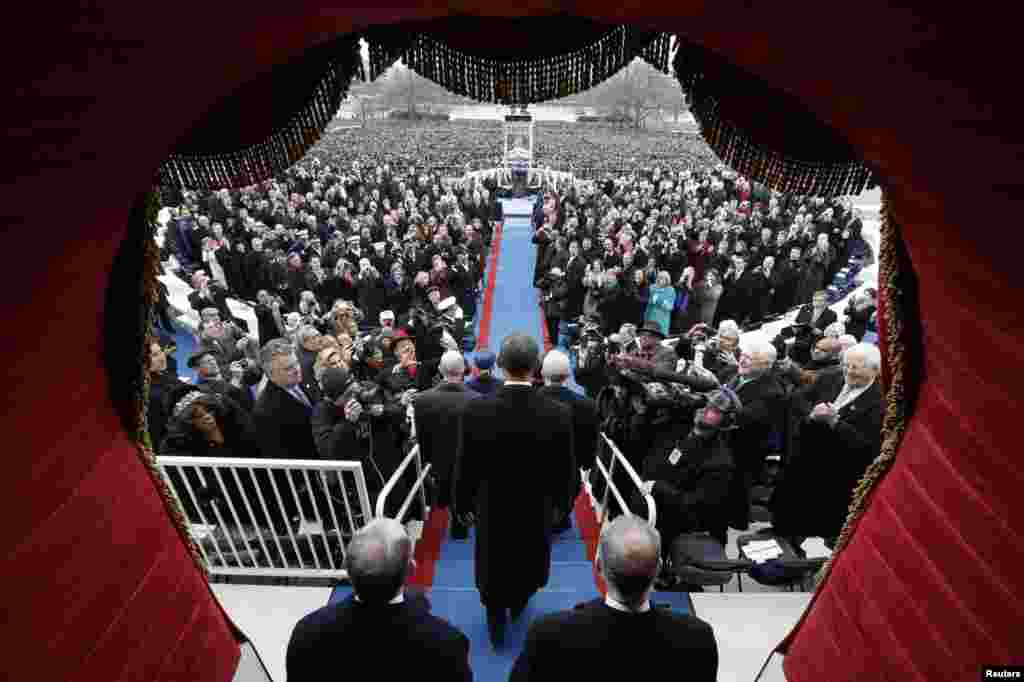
<point x="514" y="500"/>
<point x="282" y="413"/>
<point x="816" y="266"/>
<point x="709" y="295"/>
<point x="839" y="438"/>
<point x="661" y="303"/>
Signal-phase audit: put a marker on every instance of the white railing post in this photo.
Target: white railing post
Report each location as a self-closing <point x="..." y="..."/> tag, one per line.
<point x="618" y="457"/>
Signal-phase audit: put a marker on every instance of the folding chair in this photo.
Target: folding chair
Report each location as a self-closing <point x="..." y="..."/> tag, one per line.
<point x="699" y="559"/>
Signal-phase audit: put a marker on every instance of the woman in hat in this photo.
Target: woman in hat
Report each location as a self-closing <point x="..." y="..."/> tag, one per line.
<point x="210" y="425"/>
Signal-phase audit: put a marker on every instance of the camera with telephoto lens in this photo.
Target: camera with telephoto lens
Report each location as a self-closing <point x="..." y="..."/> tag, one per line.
<point x="366" y="394"/>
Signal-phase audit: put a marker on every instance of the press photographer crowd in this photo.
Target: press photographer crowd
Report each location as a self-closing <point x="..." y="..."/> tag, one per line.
<point x="364" y="267"/>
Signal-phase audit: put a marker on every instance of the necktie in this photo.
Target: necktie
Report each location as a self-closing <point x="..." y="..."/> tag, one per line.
<point x="300" y="394"/>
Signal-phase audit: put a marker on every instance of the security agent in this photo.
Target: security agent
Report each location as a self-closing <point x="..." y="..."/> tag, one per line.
<point x="485" y="383"/>
<point x="378" y="561"/>
<point x="628" y="558"/>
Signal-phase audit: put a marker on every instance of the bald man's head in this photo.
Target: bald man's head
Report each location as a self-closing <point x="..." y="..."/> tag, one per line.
<point x="629" y="557"/>
<point x="378" y="560"/>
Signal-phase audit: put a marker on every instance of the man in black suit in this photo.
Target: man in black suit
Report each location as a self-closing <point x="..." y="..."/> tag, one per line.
<point x="758" y="421"/>
<point x="514" y="500"/>
<point x="379" y="611"/>
<point x="585" y="422"/>
<point x="283" y="415"/>
<point x="578" y="640"/>
<point x="838" y="440"/>
<point x="438" y="413"/>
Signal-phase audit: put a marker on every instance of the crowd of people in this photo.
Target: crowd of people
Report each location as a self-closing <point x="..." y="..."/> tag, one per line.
<point x="360" y="279"/>
<point x="704" y="256"/>
<point x="588" y="150"/>
<point x="364" y="267"/>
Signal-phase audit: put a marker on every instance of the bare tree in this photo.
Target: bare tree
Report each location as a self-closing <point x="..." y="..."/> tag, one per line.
<point x="637" y="93"/>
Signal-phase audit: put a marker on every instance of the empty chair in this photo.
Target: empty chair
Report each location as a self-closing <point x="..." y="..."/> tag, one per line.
<point x="699" y="559"/>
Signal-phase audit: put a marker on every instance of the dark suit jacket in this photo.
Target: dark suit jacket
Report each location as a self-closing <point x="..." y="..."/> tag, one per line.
<point x="760" y="420"/>
<point x="594" y="640"/>
<point x="816" y="491"/>
<point x="426" y="646"/>
<point x="514" y="468"/>
<point x="283" y="423"/>
<point x="438" y="428"/>
<point x="585" y="424"/>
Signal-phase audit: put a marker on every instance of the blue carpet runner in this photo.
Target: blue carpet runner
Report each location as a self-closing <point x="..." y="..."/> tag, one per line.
<point x="452" y="590"/>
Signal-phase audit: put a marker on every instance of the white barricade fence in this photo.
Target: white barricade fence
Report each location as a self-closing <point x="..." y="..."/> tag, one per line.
<point x="608" y="460"/>
<point x="270" y="517"/>
<point x="416" y="491"/>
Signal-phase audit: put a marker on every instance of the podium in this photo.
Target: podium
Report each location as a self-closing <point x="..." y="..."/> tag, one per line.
<point x="518" y="156"/>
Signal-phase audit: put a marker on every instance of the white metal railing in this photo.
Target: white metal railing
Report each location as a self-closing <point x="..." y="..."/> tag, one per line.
<point x="609" y="471"/>
<point x="421" y="476"/>
<point x="270" y="517"/>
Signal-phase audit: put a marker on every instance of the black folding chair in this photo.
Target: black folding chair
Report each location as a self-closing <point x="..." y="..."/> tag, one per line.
<point x="699" y="559"/>
<point x="789" y="569"/>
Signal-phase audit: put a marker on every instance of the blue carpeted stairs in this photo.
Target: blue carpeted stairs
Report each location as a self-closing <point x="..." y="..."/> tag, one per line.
<point x="453" y="595"/>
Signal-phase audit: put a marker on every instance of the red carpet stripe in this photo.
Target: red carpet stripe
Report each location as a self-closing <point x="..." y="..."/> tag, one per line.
<point x="492" y="273"/>
<point x="587" y="521"/>
<point x="544" y="329"/>
<point x="428" y="549"/>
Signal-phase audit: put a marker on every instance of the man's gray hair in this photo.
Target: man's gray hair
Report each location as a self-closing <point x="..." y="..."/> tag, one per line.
<point x="629" y="553"/>
<point x="377" y="560"/>
<point x="869" y="353"/>
<point x="274" y="348"/>
<point x="452" y="364"/>
<point x="729" y="328"/>
<point x="556" y="367"/>
<point x="760" y="347"/>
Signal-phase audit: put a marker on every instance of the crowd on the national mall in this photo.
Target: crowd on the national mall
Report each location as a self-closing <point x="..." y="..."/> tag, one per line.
<point x="364" y="267"/>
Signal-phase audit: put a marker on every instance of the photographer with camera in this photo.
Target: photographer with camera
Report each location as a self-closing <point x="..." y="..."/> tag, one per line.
<point x="690" y="477"/>
<point x="353" y="421"/>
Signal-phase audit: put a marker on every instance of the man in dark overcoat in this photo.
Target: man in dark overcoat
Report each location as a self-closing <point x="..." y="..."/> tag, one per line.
<point x="514" y="478"/>
<point x="585" y="421"/>
<point x="838" y="440"/>
<point x="438" y="413"/>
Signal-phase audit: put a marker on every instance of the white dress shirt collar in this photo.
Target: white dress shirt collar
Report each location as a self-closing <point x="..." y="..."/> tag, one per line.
<point x="619" y="606"/>
<point x="399" y="598"/>
<point x="508" y="382"/>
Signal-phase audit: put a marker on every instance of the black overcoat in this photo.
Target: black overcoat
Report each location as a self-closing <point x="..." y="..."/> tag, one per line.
<point x="514" y="468"/>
